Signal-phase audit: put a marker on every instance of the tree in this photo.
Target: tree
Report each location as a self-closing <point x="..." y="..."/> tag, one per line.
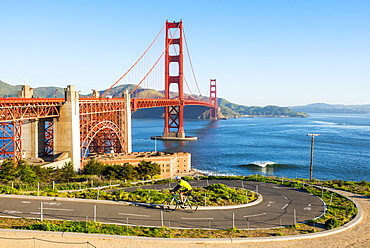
<point x="148" y="169"/>
<point x="44" y="174"/>
<point x="27" y="175"/>
<point x="121" y="172"/>
<point x="67" y="171"/>
<point x="112" y="172"/>
<point x="129" y="172"/>
<point x="8" y="171"/>
<point x="93" y="167"/>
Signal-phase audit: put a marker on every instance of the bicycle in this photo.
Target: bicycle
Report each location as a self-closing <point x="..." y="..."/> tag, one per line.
<point x="172" y="203"/>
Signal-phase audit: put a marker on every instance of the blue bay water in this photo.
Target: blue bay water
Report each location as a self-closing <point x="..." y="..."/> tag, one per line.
<point x="242" y="146"/>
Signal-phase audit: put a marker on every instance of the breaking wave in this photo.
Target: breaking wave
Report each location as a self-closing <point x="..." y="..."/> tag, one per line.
<point x="262" y="163"/>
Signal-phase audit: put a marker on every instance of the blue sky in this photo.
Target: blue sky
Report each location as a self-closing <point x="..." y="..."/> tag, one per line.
<point x="261" y="52"/>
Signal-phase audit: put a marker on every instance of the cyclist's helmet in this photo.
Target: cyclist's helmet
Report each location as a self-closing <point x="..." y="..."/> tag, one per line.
<point x="178" y="178"/>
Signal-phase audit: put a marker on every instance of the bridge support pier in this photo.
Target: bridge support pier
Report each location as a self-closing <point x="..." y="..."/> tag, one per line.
<point x="32" y="138"/>
<point x="67" y="128"/>
<point x="32" y="134"/>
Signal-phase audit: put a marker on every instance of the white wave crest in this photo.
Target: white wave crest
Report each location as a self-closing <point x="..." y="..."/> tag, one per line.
<point x="211" y="173"/>
<point x="263" y="163"/>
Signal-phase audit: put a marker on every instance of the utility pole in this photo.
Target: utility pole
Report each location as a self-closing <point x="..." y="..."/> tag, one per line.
<point x="312" y="149"/>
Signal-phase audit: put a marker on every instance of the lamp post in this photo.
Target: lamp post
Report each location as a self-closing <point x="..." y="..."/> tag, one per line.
<point x="312" y="149"/>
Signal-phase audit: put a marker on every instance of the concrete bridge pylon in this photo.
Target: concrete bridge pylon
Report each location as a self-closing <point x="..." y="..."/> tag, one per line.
<point x="67" y="127"/>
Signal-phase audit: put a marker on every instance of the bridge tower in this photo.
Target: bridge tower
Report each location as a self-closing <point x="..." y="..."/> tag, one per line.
<point x="174" y="75"/>
<point x="213" y="99"/>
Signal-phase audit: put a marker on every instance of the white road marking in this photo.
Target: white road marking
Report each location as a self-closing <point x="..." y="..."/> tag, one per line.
<point x="52" y="203"/>
<point x="308" y="208"/>
<point x="185" y="218"/>
<point x="58" y="209"/>
<point x="12" y="212"/>
<point x="247" y="216"/>
<point x="138" y="215"/>
<point x="25" y="202"/>
<point x="285" y="197"/>
<point x="35" y="213"/>
<point x="285" y="206"/>
<point x="270" y="203"/>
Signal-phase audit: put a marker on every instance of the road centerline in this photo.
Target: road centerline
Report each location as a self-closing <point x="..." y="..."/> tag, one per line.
<point x="58" y="209"/>
<point x="254" y="215"/>
<point x="138" y="215"/>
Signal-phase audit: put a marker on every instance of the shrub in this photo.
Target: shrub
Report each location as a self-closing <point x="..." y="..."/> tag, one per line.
<point x="218" y="188"/>
<point x="332" y="223"/>
<point x="7" y="190"/>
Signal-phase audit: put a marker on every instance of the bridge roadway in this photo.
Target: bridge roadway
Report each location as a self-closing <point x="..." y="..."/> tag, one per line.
<point x="277" y="208"/>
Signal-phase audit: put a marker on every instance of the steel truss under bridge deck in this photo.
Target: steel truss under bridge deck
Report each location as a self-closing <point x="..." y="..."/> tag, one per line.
<point x="102" y="123"/>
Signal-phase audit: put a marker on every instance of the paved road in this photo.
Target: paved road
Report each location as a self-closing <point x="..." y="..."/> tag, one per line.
<point x="280" y="206"/>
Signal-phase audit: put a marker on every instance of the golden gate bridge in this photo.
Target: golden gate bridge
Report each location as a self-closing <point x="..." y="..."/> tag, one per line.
<point x="74" y="126"/>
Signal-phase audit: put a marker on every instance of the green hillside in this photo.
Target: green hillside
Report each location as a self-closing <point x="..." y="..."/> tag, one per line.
<point x="227" y="108"/>
<point x="7" y="90"/>
<point x="333" y="108"/>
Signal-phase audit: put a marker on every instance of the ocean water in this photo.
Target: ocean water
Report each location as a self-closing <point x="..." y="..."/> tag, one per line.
<point x="270" y="146"/>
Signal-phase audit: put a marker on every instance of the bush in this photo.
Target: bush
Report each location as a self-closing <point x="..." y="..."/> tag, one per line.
<point x="332" y="223"/>
<point x="218" y="188"/>
<point x="8" y="190"/>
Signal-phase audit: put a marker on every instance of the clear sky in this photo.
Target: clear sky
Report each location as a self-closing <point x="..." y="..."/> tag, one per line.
<point x="262" y="52"/>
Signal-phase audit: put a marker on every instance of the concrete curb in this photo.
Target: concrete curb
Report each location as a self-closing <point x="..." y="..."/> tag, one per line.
<point x="259" y="200"/>
<point x="345" y="227"/>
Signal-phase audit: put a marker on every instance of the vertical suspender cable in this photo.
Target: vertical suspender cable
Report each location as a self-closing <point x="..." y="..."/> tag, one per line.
<point x="191" y="64"/>
<point x="135" y="62"/>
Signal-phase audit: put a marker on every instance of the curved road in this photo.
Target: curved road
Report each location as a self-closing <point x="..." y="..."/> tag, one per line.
<point x="280" y="206"/>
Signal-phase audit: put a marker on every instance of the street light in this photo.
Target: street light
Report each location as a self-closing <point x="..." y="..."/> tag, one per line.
<point x="312" y="149"/>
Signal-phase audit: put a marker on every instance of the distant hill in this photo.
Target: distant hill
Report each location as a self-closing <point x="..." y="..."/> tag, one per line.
<point x="7" y="90"/>
<point x="333" y="108"/>
<point x="227" y="108"/>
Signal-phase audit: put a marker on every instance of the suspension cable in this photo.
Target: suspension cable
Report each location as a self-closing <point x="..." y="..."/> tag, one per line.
<point x="186" y="82"/>
<point x="135" y="62"/>
<point x="191" y="64"/>
<point x="167" y="45"/>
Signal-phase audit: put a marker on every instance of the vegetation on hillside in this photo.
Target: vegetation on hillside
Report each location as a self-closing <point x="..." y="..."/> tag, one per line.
<point x="21" y="173"/>
<point x="333" y="108"/>
<point x="227" y="108"/>
<point x="339" y="211"/>
<point x="232" y="109"/>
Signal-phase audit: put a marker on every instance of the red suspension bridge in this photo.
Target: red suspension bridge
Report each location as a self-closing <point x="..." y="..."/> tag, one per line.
<point x="74" y="126"/>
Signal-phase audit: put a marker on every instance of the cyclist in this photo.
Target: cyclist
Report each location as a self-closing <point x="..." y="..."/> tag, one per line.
<point x="182" y="184"/>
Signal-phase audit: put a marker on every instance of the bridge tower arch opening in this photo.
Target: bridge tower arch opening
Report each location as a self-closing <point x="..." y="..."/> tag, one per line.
<point x="103" y="137"/>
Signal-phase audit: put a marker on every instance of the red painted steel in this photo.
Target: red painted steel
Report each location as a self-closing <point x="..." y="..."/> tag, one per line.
<point x="101" y="125"/>
<point x="174" y="116"/>
<point x="213" y="99"/>
<point x="12" y="113"/>
<point x="101" y="121"/>
<point x="137" y="103"/>
<point x="28" y="108"/>
<point x="10" y="140"/>
<point x="49" y="137"/>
